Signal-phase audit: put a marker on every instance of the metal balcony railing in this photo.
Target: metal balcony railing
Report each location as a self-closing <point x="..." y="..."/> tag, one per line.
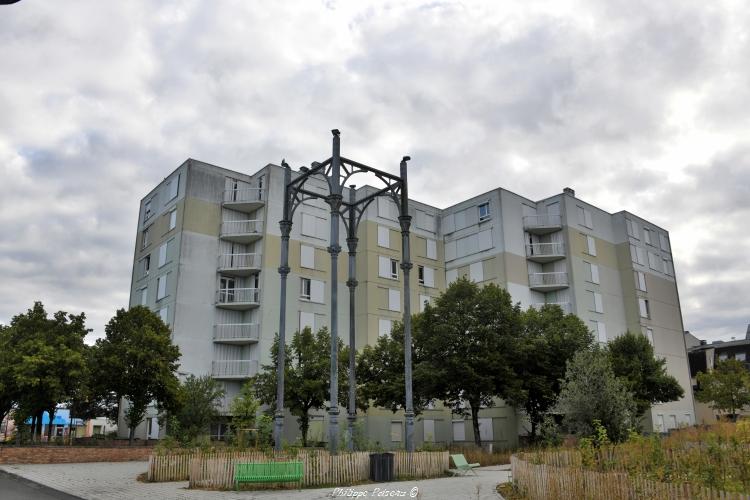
<point x="238" y="295"/>
<point x="545" y="249"/>
<point x="237" y="332"/>
<point x="239" y="261"/>
<point x="531" y="222"/>
<point x="244" y="368"/>
<point x="240" y="227"/>
<point x="243" y="195"/>
<point x="558" y="279"/>
<point x="565" y="306"/>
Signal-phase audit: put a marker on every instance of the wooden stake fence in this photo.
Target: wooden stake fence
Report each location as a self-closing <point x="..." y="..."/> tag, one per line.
<point x="568" y="481"/>
<point x="216" y="470"/>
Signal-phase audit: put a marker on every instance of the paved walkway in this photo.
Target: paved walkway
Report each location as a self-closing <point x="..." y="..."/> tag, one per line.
<point x="117" y="481"/>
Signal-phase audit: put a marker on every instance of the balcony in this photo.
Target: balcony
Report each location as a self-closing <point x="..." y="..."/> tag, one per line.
<point x="244" y="200"/>
<point x="238" y="299"/>
<point x="241" y="231"/>
<point x="542" y="224"/>
<point x="565" y="306"/>
<point x="237" y="333"/>
<point x="234" y="369"/>
<point x="548" y="282"/>
<point x="239" y="264"/>
<point x="545" y="252"/>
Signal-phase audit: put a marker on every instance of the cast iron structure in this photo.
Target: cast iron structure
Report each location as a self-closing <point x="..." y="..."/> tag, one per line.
<point x="349" y="212"/>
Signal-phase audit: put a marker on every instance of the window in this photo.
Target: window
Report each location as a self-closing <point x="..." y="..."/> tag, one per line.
<point x="640" y="280"/>
<point x="632" y="228"/>
<point x="723" y="356"/>
<point x="146" y="264"/>
<point x="306" y="320"/>
<point x="428" y="434"/>
<point x="384" y="327"/>
<point x="307" y="256"/>
<point x="423" y="299"/>
<point x="667" y="267"/>
<point x="596" y="301"/>
<point x="459" y="430"/>
<point x="431" y="249"/>
<point x="164" y="314"/>
<point x="740" y="356"/>
<point x="590" y="245"/>
<point x="305" y="287"/>
<point x="226" y="289"/>
<point x="484" y="211"/>
<point x="637" y="255"/>
<point x="394" y="300"/>
<point x="653" y="261"/>
<point x="162" y="255"/>
<point x="387" y="209"/>
<point x="451" y="275"/>
<point x="429" y="277"/>
<point x="313" y="226"/>
<point x="485" y="429"/>
<point x="649" y="332"/>
<point x="172" y="219"/>
<point x="476" y="272"/>
<point x="147" y="211"/>
<point x="161" y="287"/>
<point x="394" y="269"/>
<point x="643" y="308"/>
<point x="584" y="218"/>
<point x="384" y="237"/>
<point x="420" y="274"/>
<point x="173" y="187"/>
<point x="387" y="267"/>
<point x="144" y="296"/>
<point x="593" y="272"/>
<point x="145" y="237"/>
<point x="396" y="432"/>
<point x="664" y="242"/>
<point x="317" y="291"/>
<point x="647" y="236"/>
<point x="600" y="329"/>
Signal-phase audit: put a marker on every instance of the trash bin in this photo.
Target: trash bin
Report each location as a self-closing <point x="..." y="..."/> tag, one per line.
<point x="381" y="467"/>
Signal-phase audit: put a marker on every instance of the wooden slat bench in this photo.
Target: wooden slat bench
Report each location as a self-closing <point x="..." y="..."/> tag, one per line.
<point x="267" y="472"/>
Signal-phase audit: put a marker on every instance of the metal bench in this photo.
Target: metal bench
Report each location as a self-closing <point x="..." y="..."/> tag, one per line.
<point x="267" y="472"/>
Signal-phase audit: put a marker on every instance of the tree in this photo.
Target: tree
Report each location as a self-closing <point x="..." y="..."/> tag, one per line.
<point x="549" y="339"/>
<point x="633" y="361"/>
<point x="8" y="391"/>
<point x="591" y="392"/>
<point x="199" y="400"/>
<point x="137" y="360"/>
<point x="244" y="409"/>
<point x="466" y="344"/>
<point x="380" y="372"/>
<point x="307" y="375"/>
<point x="44" y="361"/>
<point x="726" y="388"/>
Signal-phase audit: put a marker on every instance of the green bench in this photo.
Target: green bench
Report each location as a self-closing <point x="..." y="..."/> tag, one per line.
<point x="267" y="472"/>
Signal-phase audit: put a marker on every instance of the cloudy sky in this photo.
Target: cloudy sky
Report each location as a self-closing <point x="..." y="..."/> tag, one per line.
<point x="637" y="105"/>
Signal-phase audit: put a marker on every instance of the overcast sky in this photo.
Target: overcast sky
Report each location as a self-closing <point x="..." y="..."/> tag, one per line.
<point x="637" y="105"/>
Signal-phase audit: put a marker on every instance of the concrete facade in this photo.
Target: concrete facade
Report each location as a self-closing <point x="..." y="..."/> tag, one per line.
<point x="212" y="242"/>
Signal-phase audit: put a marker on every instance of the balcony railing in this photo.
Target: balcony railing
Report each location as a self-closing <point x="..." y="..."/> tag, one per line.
<point x="238" y="298"/>
<point x="565" y="306"/>
<point x="542" y="223"/>
<point x="244" y="368"/>
<point x="545" y="252"/>
<point x="548" y="281"/>
<point x="237" y="333"/>
<point x="239" y="263"/>
<point x="243" y="195"/>
<point x="242" y="231"/>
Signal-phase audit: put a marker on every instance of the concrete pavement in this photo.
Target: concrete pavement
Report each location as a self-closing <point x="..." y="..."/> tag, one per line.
<point x="117" y="481"/>
<point x="17" y="488"/>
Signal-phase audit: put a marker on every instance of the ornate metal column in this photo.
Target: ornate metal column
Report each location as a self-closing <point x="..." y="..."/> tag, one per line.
<point x="351" y="242"/>
<point x="334" y="201"/>
<point x="406" y="265"/>
<point x="286" y="227"/>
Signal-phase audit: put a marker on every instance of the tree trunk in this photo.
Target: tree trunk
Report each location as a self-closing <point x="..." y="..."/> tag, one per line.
<point x="131" y="435"/>
<point x="532" y="436"/>
<point x="51" y="412"/>
<point x="304" y="427"/>
<point x="39" y="425"/>
<point x="475" y="424"/>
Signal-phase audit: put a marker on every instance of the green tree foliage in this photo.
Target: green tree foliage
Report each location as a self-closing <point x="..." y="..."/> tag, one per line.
<point x="549" y="339"/>
<point x="244" y="409"/>
<point x="44" y="361"/>
<point x="467" y="343"/>
<point x="380" y="372"/>
<point x="306" y="375"/>
<point x="591" y="392"/>
<point x="199" y="400"/>
<point x="137" y="361"/>
<point x="8" y="391"/>
<point x="633" y="361"/>
<point x="726" y="388"/>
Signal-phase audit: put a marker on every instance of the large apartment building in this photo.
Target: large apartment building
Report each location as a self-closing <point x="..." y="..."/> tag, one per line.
<point x="208" y="251"/>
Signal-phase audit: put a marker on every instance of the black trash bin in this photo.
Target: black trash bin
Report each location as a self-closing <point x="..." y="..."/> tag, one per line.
<point x="381" y="467"/>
